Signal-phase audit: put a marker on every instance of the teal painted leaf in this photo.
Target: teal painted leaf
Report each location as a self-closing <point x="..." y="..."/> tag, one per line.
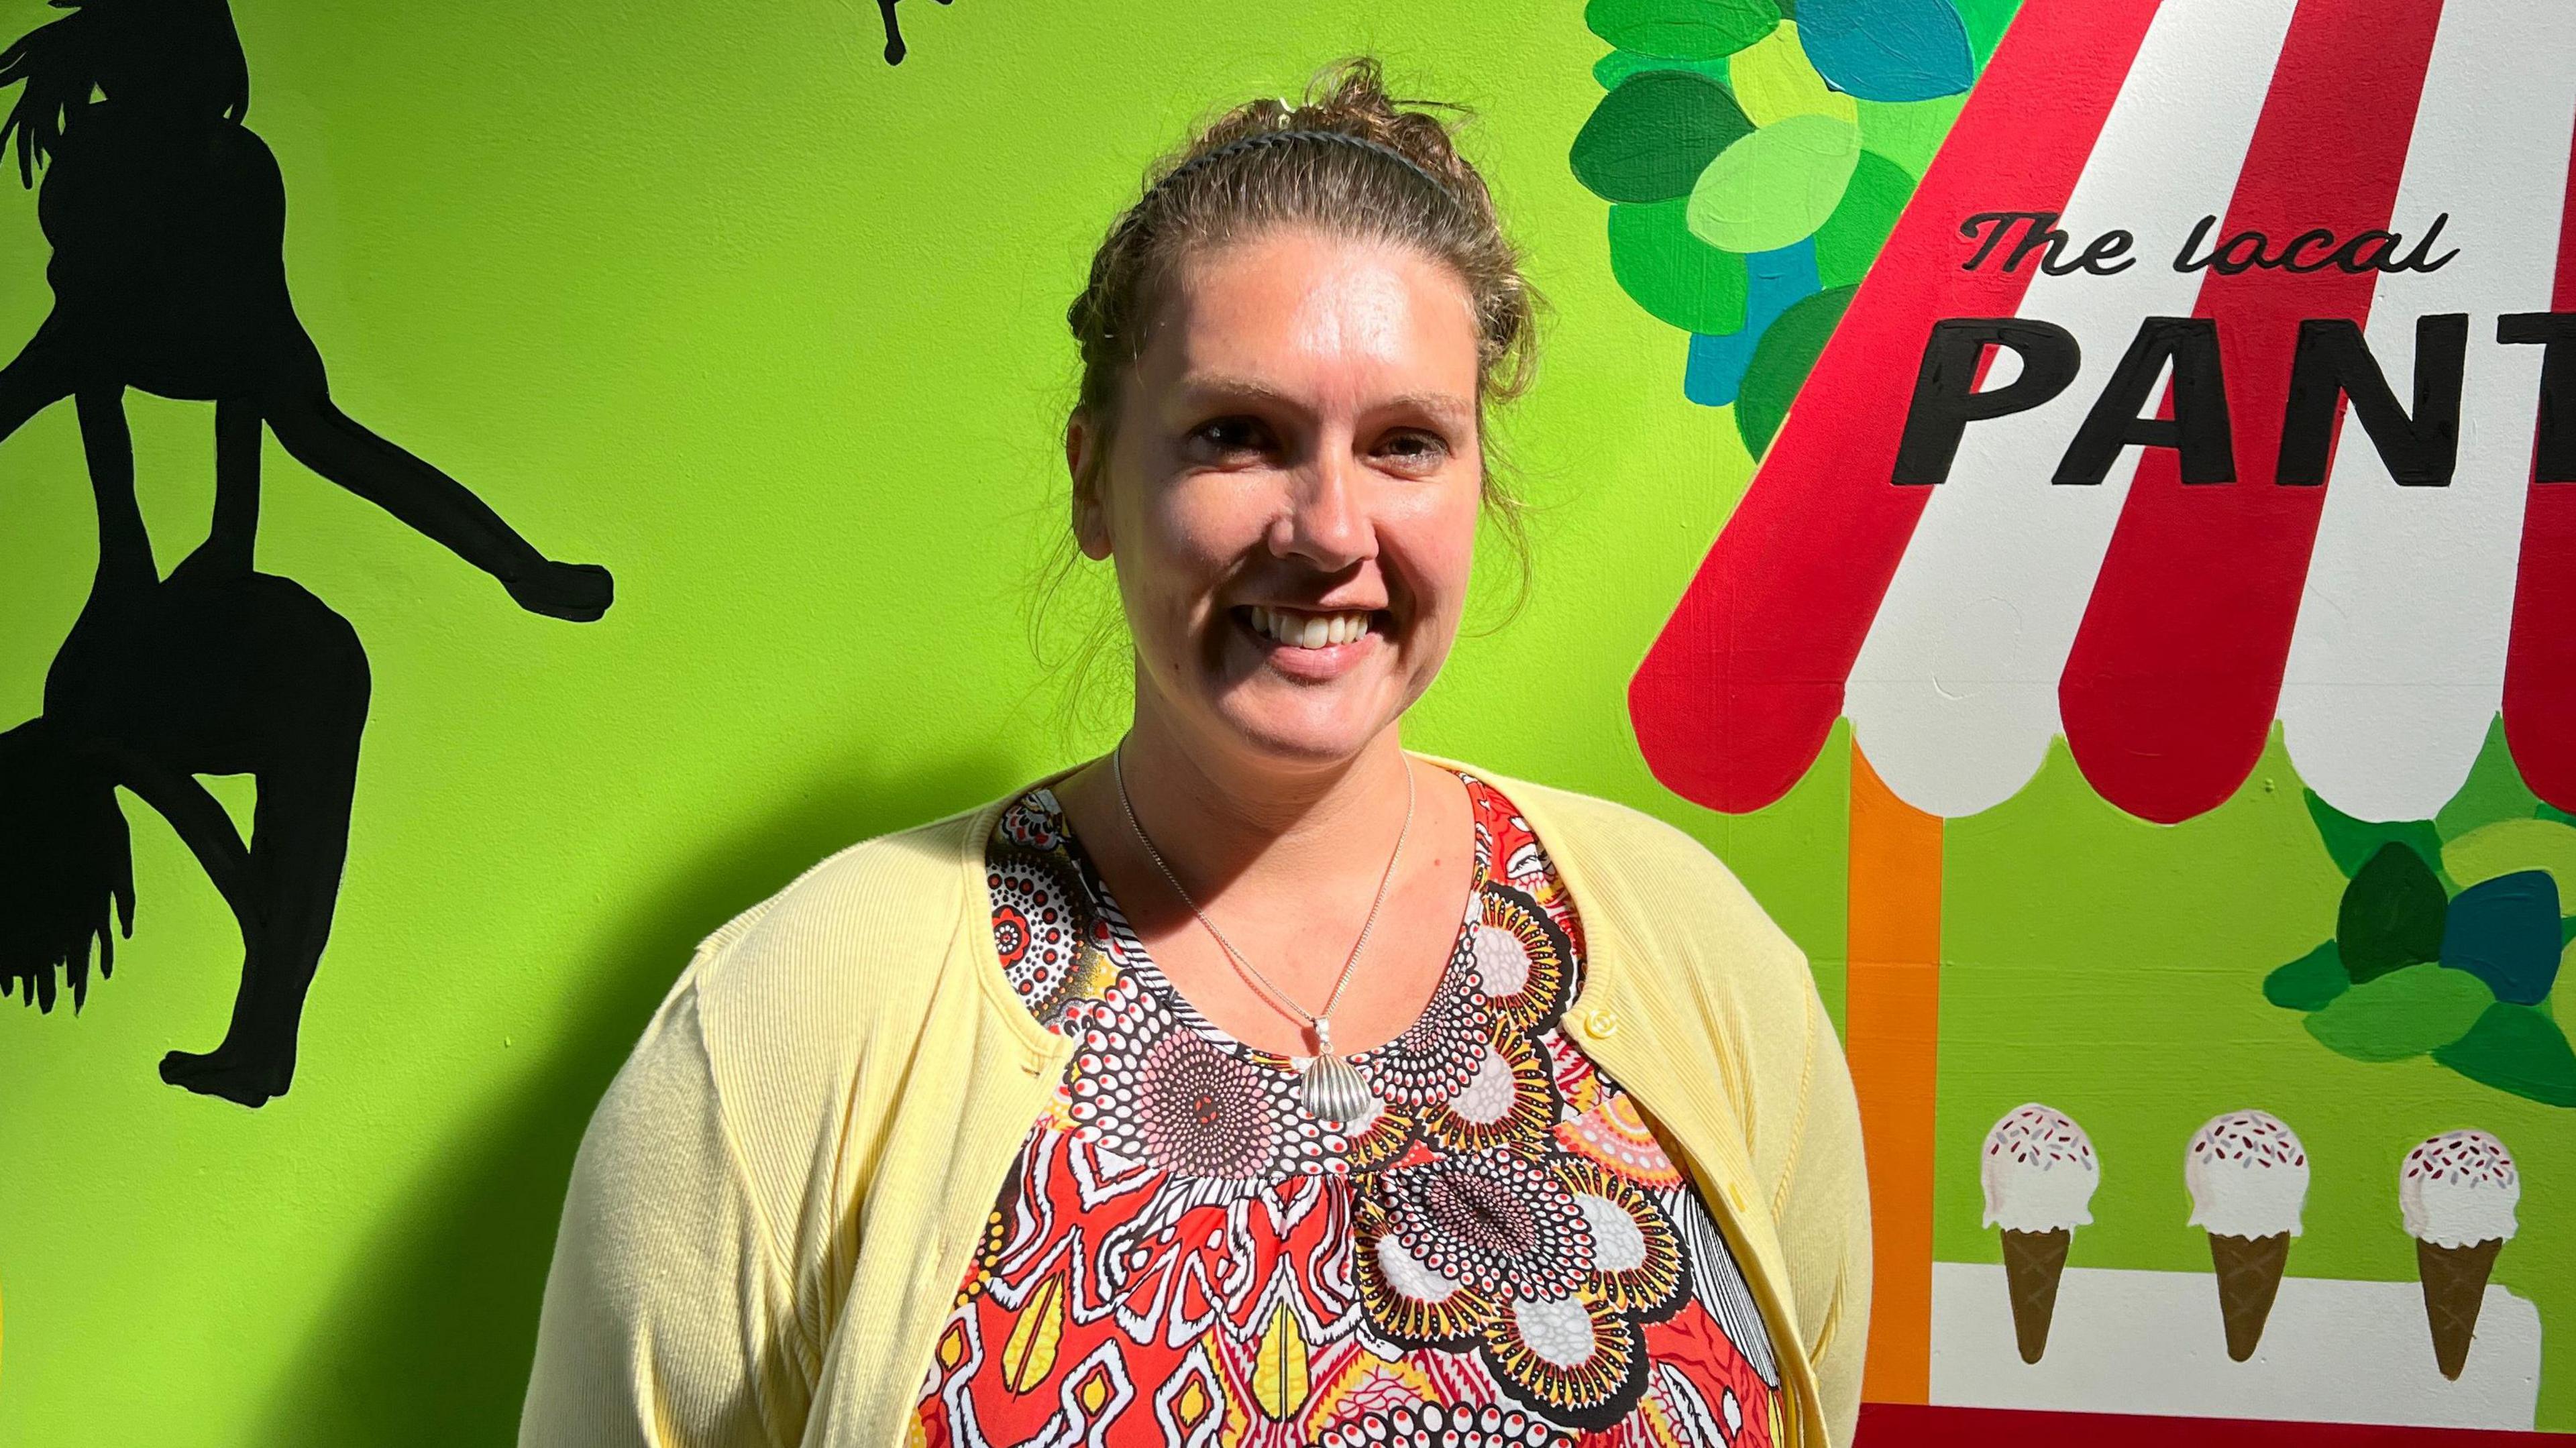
<point x="2516" y="1049"/>
<point x="1782" y="359"/>
<point x="2504" y="931"/>
<point x="2392" y="914"/>
<point x="2309" y="981"/>
<point x="1618" y="65"/>
<point x="1673" y="274"/>
<point x="2352" y="842"/>
<point x="2493" y="791"/>
<point x="1850" y="238"/>
<point x="1888" y="50"/>
<point x="1775" y="186"/>
<point x="1650" y="139"/>
<point x="1681" y="29"/>
<point x="2404" y="1013"/>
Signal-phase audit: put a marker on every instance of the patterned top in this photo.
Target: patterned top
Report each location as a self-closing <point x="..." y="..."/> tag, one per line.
<point x="1499" y="1252"/>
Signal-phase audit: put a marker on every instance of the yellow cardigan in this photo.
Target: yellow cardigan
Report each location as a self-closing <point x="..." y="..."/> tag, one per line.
<point x="777" y="1199"/>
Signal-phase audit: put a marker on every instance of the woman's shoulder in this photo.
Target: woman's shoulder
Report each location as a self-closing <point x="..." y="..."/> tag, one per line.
<point x="853" y="948"/>
<point x="1611" y="840"/>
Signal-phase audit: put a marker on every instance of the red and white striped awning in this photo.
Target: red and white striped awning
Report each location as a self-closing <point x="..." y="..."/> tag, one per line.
<point x="2162" y="627"/>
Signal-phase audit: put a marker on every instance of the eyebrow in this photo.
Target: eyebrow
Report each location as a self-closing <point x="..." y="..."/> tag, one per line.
<point x="1214" y="386"/>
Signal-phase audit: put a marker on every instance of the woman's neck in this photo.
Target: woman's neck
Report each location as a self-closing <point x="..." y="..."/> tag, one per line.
<point x="1216" y="815"/>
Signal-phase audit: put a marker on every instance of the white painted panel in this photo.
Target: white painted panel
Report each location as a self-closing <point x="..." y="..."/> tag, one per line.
<point x="2333" y="1351"/>
<point x="1954" y="694"/>
<point x="2397" y="666"/>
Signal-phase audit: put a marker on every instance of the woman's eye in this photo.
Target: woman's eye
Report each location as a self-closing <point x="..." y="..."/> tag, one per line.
<point x="1234" y="435"/>
<point x="1415" y="449"/>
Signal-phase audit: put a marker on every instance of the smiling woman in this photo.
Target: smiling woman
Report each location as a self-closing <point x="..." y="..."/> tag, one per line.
<point x="1261" y="1081"/>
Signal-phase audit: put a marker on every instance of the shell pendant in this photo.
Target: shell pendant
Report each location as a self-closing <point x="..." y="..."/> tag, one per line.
<point x="1330" y="1086"/>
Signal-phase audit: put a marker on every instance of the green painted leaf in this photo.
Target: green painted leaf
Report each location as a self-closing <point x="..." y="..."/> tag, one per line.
<point x="1681" y="29"/>
<point x="2309" y="981"/>
<point x="1782" y="359"/>
<point x="1673" y="274"/>
<point x="2392" y="914"/>
<point x="1908" y="132"/>
<point x="2404" y="1013"/>
<point x="1650" y="139"/>
<point x="1776" y="185"/>
<point x="2509" y="847"/>
<point x="1773" y="82"/>
<point x="1986" y="20"/>
<point x="2493" y="791"/>
<point x="2516" y="1049"/>
<point x="1618" y="65"/>
<point x="2352" y="842"/>
<point x="1850" y="238"/>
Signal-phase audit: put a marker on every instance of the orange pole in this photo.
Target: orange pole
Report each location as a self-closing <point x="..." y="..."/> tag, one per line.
<point x="1891" y="1031"/>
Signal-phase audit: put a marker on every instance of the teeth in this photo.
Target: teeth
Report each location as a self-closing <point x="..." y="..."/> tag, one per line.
<point x="1309" y="630"/>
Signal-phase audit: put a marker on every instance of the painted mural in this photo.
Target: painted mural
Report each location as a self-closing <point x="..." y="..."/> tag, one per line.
<point x="2193" y="438"/>
<point x="167" y="217"/>
<point x="2063" y="496"/>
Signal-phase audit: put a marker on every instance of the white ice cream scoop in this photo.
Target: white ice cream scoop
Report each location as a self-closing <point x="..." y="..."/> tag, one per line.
<point x="2459" y="1189"/>
<point x="2039" y="1171"/>
<point x="2248" y="1176"/>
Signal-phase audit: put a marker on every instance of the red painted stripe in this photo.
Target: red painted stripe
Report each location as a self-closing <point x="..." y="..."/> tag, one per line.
<point x="1907" y="1425"/>
<point x="2170" y="689"/>
<point x="2540" y="661"/>
<point x="1735" y="698"/>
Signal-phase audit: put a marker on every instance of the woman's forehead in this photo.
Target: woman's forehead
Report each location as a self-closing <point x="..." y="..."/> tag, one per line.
<point x="1293" y="310"/>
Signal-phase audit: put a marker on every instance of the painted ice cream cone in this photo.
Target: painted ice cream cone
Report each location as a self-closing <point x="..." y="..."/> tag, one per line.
<point x="2457" y="1191"/>
<point x="2039" y="1173"/>
<point x="2248" y="1177"/>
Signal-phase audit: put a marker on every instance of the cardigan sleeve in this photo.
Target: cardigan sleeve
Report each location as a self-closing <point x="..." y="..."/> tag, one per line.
<point x="1821" y="1205"/>
<point x="667" y="1320"/>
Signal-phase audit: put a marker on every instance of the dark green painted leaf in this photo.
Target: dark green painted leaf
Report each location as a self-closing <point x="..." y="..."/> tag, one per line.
<point x="2493" y="791"/>
<point x="1781" y="361"/>
<point x="2309" y="981"/>
<point x="1986" y="20"/>
<point x="1673" y="274"/>
<point x="2403" y="1013"/>
<point x="2353" y="841"/>
<point x="2516" y="1049"/>
<point x="2504" y="931"/>
<point x="2553" y="812"/>
<point x="2392" y="914"/>
<point x="1618" y="65"/>
<point x="1650" y="139"/>
<point x="1850" y="238"/>
<point x="1681" y="29"/>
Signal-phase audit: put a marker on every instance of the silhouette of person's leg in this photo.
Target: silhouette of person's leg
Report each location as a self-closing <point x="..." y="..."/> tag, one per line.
<point x="299" y="841"/>
<point x="34" y="381"/>
<point x="234" y="537"/>
<point x="124" y="546"/>
<point x="330" y="442"/>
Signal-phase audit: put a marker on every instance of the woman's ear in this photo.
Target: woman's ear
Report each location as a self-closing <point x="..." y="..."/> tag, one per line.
<point x="1090" y="519"/>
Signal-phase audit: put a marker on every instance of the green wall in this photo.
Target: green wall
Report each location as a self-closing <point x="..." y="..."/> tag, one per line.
<point x="711" y="295"/>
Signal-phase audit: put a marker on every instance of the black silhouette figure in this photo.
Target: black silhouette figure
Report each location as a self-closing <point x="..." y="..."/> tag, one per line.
<point x="895" y="49"/>
<point x="167" y="217"/>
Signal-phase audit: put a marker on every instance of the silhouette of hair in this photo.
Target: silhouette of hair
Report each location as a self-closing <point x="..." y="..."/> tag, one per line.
<point x="178" y="54"/>
<point x="65" y="864"/>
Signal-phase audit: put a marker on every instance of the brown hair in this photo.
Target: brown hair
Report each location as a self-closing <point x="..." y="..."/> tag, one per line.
<point x="1403" y="182"/>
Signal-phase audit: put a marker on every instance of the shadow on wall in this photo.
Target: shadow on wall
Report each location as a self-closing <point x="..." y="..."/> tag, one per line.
<point x="431" y="1336"/>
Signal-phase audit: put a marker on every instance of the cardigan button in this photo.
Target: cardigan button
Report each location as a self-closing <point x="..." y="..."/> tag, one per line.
<point x="1600" y="1021"/>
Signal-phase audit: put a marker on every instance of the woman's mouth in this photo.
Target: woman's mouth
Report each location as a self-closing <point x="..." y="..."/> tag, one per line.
<point x="1315" y="631"/>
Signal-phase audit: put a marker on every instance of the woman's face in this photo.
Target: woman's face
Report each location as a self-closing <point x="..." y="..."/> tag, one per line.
<point x="1291" y="493"/>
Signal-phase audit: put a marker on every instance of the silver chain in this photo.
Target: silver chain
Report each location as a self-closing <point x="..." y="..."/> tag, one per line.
<point x="1118" y="768"/>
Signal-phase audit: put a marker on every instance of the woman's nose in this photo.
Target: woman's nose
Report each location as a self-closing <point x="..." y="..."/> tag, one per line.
<point x="1326" y="521"/>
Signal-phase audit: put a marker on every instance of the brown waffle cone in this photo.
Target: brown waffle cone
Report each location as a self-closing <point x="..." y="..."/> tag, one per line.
<point x="2033" y="1261"/>
<point x="2249" y="1277"/>
<point x="2455" y="1286"/>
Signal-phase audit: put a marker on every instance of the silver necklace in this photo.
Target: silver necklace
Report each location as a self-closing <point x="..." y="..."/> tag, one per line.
<point x="1330" y="1085"/>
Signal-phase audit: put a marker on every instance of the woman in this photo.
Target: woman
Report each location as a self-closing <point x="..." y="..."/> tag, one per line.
<point x="1260" y="1082"/>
